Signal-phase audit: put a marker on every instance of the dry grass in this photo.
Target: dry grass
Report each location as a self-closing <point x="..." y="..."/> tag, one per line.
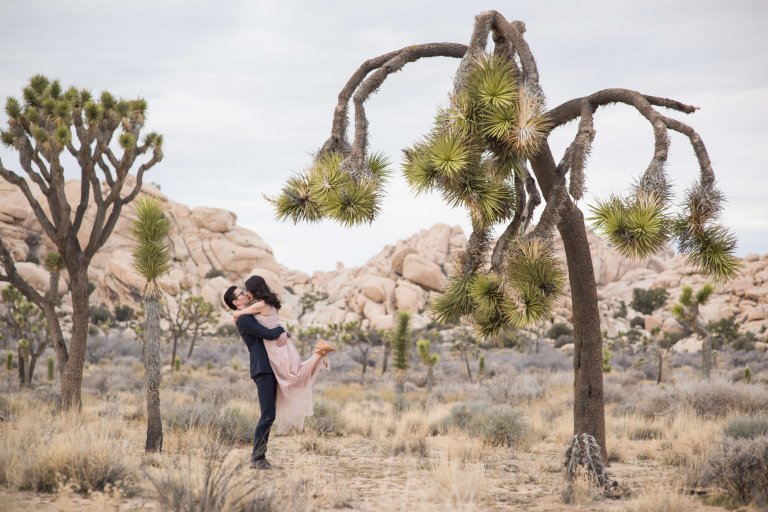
<point x="495" y="445"/>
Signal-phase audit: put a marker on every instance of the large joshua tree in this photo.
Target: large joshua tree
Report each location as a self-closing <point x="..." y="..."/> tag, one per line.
<point x="479" y="154"/>
<point x="151" y="260"/>
<point x="103" y="137"/>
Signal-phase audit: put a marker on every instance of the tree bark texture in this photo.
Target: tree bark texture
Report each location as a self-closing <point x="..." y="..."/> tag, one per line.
<point x="152" y="374"/>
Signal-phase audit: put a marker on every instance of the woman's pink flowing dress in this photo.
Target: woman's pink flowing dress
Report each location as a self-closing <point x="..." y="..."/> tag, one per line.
<point x="294" y="378"/>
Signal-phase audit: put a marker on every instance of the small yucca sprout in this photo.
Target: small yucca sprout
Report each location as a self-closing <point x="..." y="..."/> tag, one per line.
<point x="498" y="122"/>
<point x="466" y="113"/>
<point x="379" y="164"/>
<point x="449" y="153"/>
<point x="420" y="173"/>
<point x="296" y="203"/>
<point x="12" y="107"/>
<point x="62" y="135"/>
<point x="151" y="227"/>
<point x="455" y="301"/>
<point x="486" y="293"/>
<point x="7" y="138"/>
<point x="678" y="311"/>
<point x="38" y="133"/>
<point x="126" y="140"/>
<point x="532" y="125"/>
<point x="354" y="203"/>
<point x="712" y="253"/>
<point x="107" y="100"/>
<point x="532" y="261"/>
<point x="54" y="262"/>
<point x="326" y="175"/>
<point x="526" y="305"/>
<point x="685" y="296"/>
<point x="153" y="139"/>
<point x="493" y="81"/>
<point x="702" y="296"/>
<point x="637" y="228"/>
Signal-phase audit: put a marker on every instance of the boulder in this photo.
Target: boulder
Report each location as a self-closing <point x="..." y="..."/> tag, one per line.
<point x="37" y="277"/>
<point x="672" y="326"/>
<point x="398" y="257"/>
<point x="422" y="272"/>
<point x="690" y="345"/>
<point x="376" y="288"/>
<point x="213" y="219"/>
<point x="409" y="297"/>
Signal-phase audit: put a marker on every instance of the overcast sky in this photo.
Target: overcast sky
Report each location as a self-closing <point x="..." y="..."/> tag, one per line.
<point x="244" y="91"/>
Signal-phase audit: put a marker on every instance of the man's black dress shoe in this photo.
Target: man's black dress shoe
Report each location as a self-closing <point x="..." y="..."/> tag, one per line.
<point x="261" y="464"/>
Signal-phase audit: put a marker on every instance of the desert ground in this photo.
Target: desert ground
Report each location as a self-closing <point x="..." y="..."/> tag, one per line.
<point x="495" y="443"/>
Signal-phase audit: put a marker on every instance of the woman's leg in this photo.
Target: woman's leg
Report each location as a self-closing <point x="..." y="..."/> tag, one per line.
<point x="314" y="363"/>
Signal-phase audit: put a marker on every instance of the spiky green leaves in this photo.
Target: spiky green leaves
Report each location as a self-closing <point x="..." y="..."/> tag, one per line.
<point x="49" y="112"/>
<point x="449" y="153"/>
<point x="523" y="295"/>
<point x="150" y="230"/>
<point x="329" y="191"/>
<point x="636" y="227"/>
<point x="640" y="225"/>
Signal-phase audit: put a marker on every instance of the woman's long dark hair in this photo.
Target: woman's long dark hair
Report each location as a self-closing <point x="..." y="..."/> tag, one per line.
<point x="257" y="286"/>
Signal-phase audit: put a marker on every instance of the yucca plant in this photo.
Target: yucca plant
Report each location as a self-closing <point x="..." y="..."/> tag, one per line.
<point x="401" y="344"/>
<point x="151" y="260"/>
<point x="479" y="155"/>
<point x="429" y="359"/>
<point x="686" y="311"/>
<point x="48" y="121"/>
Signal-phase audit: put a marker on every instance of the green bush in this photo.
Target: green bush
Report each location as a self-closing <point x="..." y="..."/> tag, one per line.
<point x="648" y="301"/>
<point x="747" y="427"/>
<point x="100" y="314"/>
<point x="638" y="321"/>
<point x="123" y="313"/>
<point x="559" y="329"/>
<point x="497" y="425"/>
<point x="214" y="272"/>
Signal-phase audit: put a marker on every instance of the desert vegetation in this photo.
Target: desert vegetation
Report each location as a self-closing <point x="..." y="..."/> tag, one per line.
<point x="490" y="443"/>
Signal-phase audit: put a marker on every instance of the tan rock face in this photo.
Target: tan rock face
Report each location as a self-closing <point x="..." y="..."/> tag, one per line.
<point x="401" y="277"/>
<point x="422" y="272"/>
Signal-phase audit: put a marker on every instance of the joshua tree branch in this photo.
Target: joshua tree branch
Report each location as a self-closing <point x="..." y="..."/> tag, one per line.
<point x="339" y="127"/>
<point x="20" y="182"/>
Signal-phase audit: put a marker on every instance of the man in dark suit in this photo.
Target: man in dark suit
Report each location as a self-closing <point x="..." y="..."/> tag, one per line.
<point x="254" y="335"/>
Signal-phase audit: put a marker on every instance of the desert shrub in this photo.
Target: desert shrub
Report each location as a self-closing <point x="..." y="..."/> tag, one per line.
<point x="644" y="432"/>
<point x="648" y="301"/>
<point x="723" y="331"/>
<point x="622" y="311"/>
<point x="515" y="390"/>
<point x="326" y="419"/>
<point x="112" y="378"/>
<point x="41" y="452"/>
<point x="227" y="331"/>
<point x="740" y="467"/>
<point x="714" y="398"/>
<point x="558" y="329"/>
<point x="221" y="483"/>
<point x="547" y="359"/>
<point x="100" y="314"/>
<point x="230" y="424"/>
<point x="747" y="427"/>
<point x="214" y="272"/>
<point x="112" y="347"/>
<point x="562" y="340"/>
<point x="638" y="321"/>
<point x="123" y="313"/>
<point x="497" y="425"/>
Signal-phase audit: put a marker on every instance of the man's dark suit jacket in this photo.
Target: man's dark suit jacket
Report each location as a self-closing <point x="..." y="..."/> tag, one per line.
<point x="254" y="334"/>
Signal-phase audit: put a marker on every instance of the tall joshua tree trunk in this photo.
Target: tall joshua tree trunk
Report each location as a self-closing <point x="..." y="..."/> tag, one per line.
<point x="152" y="373"/>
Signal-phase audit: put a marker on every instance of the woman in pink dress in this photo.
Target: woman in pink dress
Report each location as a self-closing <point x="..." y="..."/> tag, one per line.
<point x="294" y="376"/>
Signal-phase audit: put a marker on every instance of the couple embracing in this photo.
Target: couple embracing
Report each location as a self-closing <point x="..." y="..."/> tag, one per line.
<point x="283" y="380"/>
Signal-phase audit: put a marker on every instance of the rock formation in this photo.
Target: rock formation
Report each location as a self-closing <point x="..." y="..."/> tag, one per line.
<point x="210" y="250"/>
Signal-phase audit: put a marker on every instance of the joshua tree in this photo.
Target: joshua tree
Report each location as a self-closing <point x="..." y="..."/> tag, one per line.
<point x="687" y="312"/>
<point x="23" y="322"/>
<point x="429" y="359"/>
<point x="150" y="261"/>
<point x="48" y="122"/>
<point x="192" y="313"/>
<point x="464" y="342"/>
<point x="479" y="154"/>
<point x="401" y="343"/>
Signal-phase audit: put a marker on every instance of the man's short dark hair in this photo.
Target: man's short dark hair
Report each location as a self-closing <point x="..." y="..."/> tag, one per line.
<point x="229" y="297"/>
